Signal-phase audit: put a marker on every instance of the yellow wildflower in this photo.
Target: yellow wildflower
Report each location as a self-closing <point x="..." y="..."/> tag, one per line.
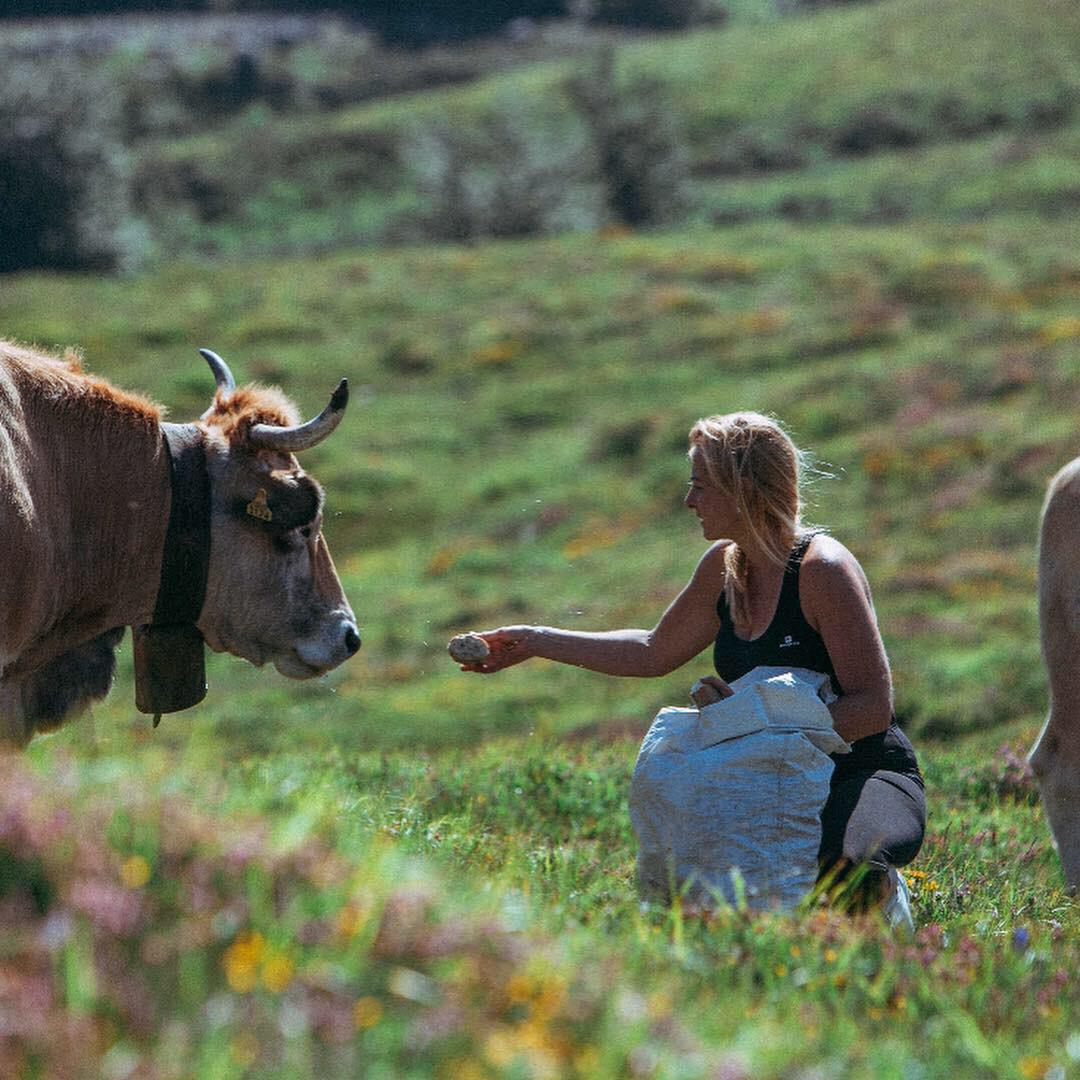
<point x="1033" y="1068"/>
<point x="1063" y="329"/>
<point x="351" y="919"/>
<point x="367" y="1012"/>
<point x="241" y="961"/>
<point x="277" y="972"/>
<point x="135" y="872"/>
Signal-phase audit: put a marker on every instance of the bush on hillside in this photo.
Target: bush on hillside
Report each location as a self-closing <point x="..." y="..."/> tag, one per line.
<point x="617" y="155"/>
<point x="651" y="14"/>
<point x="64" y="183"/>
<point x="639" y="153"/>
<point x="516" y="173"/>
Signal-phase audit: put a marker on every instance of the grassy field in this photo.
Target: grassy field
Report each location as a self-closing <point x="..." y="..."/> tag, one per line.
<point x="516" y="448"/>
<point x="472" y="914"/>
<point x="400" y="870"/>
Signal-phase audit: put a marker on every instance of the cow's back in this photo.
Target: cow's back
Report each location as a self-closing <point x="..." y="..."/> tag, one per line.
<point x="17" y="511"/>
<point x="73" y="486"/>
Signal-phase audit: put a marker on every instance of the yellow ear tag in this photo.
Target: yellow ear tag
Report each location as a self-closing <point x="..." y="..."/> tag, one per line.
<point x="258" y="507"/>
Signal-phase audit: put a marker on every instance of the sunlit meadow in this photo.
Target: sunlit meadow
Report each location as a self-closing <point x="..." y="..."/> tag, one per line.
<point x="401" y="870"/>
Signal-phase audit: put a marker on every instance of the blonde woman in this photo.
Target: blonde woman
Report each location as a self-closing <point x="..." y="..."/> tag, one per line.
<point x="769" y="591"/>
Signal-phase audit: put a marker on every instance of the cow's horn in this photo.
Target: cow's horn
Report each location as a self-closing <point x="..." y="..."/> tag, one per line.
<point x="222" y="375"/>
<point x="304" y="436"/>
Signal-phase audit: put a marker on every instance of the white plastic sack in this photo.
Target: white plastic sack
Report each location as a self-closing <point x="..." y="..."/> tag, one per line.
<point x="727" y="799"/>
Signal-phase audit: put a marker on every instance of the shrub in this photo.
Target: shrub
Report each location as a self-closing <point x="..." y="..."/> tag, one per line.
<point x="516" y="172"/>
<point x="651" y="14"/>
<point x="639" y="152"/>
<point x="64" y="182"/>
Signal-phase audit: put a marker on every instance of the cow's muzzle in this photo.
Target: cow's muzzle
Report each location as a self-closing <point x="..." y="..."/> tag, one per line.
<point x="337" y="640"/>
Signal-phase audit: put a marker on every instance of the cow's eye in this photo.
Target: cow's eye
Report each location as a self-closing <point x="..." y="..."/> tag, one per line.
<point x="305" y="532"/>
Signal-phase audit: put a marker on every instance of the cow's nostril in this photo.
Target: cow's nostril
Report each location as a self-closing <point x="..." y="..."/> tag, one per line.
<point x="352" y="639"/>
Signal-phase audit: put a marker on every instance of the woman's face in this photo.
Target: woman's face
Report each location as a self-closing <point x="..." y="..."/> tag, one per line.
<point x="715" y="509"/>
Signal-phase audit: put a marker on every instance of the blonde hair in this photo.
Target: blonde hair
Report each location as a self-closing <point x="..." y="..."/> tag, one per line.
<point x="752" y="459"/>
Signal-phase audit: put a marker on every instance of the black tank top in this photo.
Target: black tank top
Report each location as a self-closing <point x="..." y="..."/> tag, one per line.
<point x="790" y="641"/>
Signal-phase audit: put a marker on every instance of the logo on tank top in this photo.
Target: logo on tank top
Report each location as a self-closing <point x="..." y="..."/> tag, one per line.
<point x="789" y="642"/>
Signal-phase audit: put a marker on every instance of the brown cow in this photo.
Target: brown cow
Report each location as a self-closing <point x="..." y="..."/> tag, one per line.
<point x="1055" y="759"/>
<point x="87" y="502"/>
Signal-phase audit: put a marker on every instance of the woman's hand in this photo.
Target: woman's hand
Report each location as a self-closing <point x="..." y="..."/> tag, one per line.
<point x="509" y="645"/>
<point x="708" y="690"/>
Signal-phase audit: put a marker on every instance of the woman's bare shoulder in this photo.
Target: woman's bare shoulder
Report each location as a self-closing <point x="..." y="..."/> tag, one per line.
<point x="829" y="563"/>
<point x="714" y="556"/>
<point x="710" y="566"/>
<point x="826" y="549"/>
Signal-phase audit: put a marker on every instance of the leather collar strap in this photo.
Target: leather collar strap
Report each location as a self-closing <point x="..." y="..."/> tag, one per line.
<point x="170" y="672"/>
<point x="186" y="559"/>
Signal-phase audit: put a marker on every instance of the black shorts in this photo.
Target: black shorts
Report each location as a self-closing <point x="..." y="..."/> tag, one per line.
<point x="875" y="815"/>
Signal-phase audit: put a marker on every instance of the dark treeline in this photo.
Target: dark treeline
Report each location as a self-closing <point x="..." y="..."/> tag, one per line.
<point x="421" y="22"/>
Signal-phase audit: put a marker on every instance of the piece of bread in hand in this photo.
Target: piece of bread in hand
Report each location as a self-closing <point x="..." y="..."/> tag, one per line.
<point x="468" y="648"/>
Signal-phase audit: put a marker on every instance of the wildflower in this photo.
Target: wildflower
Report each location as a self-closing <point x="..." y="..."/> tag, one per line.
<point x="675" y="298"/>
<point x="241" y="962"/>
<point x="135" y="872"/>
<point x="1033" y="1068"/>
<point x="519" y="989"/>
<point x="659" y="1004"/>
<point x="1072" y="1046"/>
<point x="499" y="1048"/>
<point x="764" y="321"/>
<point x="877" y="462"/>
<point x="500" y="352"/>
<point x="367" y="1012"/>
<point x="1063" y="329"/>
<point x="351" y="919"/>
<point x="277" y="972"/>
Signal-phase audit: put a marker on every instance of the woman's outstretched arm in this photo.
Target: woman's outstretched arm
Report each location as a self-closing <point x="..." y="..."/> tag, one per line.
<point x="686" y="627"/>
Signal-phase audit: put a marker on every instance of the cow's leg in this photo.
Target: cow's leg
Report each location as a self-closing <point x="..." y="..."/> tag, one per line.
<point x="66" y="686"/>
<point x="1058" y="774"/>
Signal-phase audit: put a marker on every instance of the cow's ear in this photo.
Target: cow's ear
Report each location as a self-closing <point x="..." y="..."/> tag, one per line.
<point x="286" y="501"/>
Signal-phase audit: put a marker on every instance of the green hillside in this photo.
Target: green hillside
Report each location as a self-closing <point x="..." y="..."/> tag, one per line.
<point x="876" y="112"/>
<point x="403" y="871"/>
